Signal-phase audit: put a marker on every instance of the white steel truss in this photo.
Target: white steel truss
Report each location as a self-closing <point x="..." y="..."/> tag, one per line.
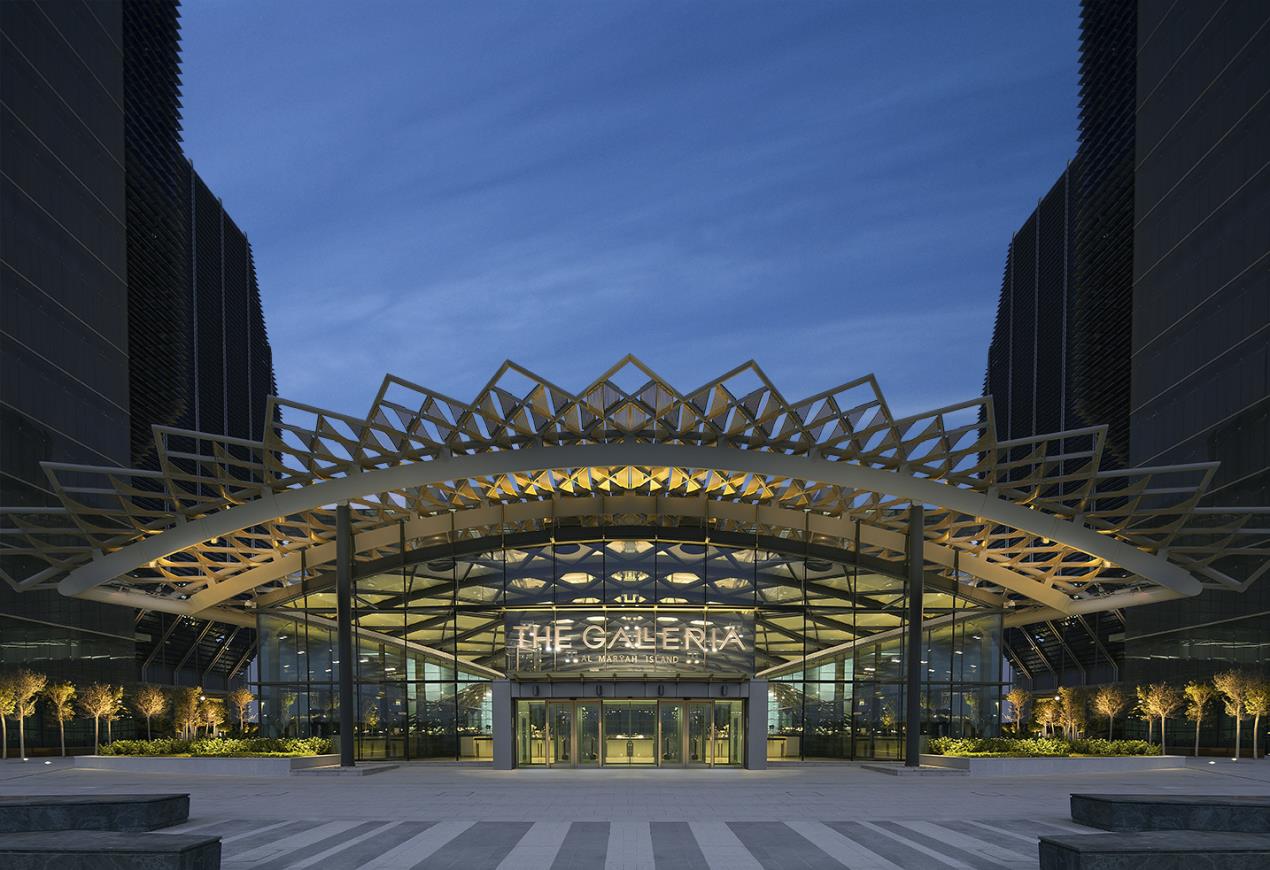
<point x="1037" y="521"/>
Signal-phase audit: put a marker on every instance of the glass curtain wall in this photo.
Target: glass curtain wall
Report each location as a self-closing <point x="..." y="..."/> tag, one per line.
<point x="827" y="630"/>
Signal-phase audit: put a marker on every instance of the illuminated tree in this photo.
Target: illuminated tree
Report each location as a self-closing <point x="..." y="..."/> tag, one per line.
<point x="117" y="694"/>
<point x="149" y="701"/>
<point x="185" y="710"/>
<point x="1110" y="701"/>
<point x="27" y="686"/>
<point x="1047" y="714"/>
<point x="1164" y="701"/>
<point x="97" y="701"/>
<point x="1234" y="688"/>
<point x="8" y="704"/>
<point x="1071" y="710"/>
<point x="1018" y="699"/>
<point x="211" y="712"/>
<point x="61" y="697"/>
<point x="1142" y="693"/>
<point x="240" y="699"/>
<point x="1258" y="705"/>
<point x="1199" y="696"/>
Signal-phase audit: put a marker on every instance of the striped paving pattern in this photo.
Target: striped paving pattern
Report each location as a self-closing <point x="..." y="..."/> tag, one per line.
<point x="990" y="844"/>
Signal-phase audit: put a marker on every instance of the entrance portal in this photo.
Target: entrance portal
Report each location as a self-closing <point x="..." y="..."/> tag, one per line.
<point x="678" y="733"/>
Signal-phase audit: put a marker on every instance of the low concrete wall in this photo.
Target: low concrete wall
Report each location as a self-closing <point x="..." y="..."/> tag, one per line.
<point x="204" y="766"/>
<point x="1050" y="766"/>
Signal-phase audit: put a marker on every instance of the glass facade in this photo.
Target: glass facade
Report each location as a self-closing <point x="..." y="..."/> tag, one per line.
<point x="432" y="632"/>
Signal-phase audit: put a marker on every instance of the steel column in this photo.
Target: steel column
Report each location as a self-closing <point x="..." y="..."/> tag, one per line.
<point x="344" y="615"/>
<point x="913" y="689"/>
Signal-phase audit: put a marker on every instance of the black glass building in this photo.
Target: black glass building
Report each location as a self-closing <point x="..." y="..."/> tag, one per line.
<point x="1166" y="288"/>
<point x="113" y="318"/>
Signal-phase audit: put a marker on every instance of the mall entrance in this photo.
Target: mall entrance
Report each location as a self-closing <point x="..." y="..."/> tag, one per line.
<point x="685" y="732"/>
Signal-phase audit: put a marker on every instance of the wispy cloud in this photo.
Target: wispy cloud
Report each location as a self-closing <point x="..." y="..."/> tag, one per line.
<point x="826" y="188"/>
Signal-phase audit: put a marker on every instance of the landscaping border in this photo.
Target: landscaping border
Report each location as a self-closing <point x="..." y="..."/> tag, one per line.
<point x="1048" y="765"/>
<point x="204" y="765"/>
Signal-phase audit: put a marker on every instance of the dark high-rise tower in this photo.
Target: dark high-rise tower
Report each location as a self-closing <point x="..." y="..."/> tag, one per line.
<point x="1168" y="303"/>
<point x="128" y="298"/>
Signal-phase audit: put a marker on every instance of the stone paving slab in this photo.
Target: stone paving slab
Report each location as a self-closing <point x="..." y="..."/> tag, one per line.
<point x="1249" y="814"/>
<point x="108" y="850"/>
<point x="92" y="812"/>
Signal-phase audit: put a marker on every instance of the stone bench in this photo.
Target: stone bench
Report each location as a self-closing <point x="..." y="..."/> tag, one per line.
<point x="108" y="850"/>
<point x="1158" y="850"/>
<point x="1148" y="812"/>
<point x="88" y="812"/>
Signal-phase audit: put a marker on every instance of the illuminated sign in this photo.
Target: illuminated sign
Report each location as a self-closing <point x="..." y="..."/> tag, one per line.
<point x="632" y="643"/>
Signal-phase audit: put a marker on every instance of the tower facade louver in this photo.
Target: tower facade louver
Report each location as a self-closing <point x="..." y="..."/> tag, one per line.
<point x="130" y="300"/>
<point x="1168" y="309"/>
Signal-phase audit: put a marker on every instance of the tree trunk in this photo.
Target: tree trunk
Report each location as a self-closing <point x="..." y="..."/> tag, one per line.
<point x="21" y="736"/>
<point x="110" y="732"/>
<point x="148" y="737"/>
<point x="1256" y="728"/>
<point x="96" y="735"/>
<point x="61" y="733"/>
<point x="4" y="737"/>
<point x="1110" y="723"/>
<point x="1238" y="727"/>
<point x="1150" y="730"/>
<point x="1197" y="721"/>
<point x="1163" y="748"/>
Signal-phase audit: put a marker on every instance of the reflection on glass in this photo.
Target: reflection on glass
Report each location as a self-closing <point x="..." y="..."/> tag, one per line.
<point x="588" y="716"/>
<point x="561" y="731"/>
<point x="531" y="732"/>
<point x="671" y="738"/>
<point x="698" y="719"/>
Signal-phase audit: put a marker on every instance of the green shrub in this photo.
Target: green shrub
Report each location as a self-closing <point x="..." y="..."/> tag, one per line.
<point x="222" y="747"/>
<point x="1037" y="747"/>
<point x="158" y="746"/>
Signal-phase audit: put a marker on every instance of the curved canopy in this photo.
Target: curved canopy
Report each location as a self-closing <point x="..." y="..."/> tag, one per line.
<point x="1037" y="522"/>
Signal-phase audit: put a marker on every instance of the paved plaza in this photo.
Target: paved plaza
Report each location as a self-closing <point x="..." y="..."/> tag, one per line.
<point x="806" y="816"/>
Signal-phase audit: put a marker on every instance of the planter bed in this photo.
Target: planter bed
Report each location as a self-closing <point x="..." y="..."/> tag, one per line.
<point x="205" y="765"/>
<point x="1045" y="765"/>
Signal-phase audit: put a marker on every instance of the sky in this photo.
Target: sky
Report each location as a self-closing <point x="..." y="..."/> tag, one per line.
<point x="828" y="188"/>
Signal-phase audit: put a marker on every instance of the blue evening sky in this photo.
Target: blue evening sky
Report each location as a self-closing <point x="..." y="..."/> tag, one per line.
<point x="431" y="188"/>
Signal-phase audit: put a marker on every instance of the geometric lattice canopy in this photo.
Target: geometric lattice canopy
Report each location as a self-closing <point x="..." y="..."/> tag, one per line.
<point x="1035" y="524"/>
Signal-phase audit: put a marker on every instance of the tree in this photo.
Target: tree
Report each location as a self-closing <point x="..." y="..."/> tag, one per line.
<point x="149" y="701"/>
<point x="185" y="710"/>
<point x="1258" y="704"/>
<point x="97" y="701"/>
<point x="1199" y="696"/>
<point x="1047" y="714"/>
<point x="1018" y="699"/>
<point x="1110" y="701"/>
<point x="240" y="699"/>
<point x="1071" y="710"/>
<point x="8" y="704"/>
<point x="116" y="693"/>
<point x="1164" y="701"/>
<point x="27" y="686"/>
<point x="286" y="702"/>
<point x="61" y="697"/>
<point x="1234" y="688"/>
<point x="1142" y="693"/>
<point x="212" y="714"/>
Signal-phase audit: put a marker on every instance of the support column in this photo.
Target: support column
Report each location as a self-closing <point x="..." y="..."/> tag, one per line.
<point x="504" y="751"/>
<point x="913" y="685"/>
<point x="344" y="615"/>
<point x="756" y="726"/>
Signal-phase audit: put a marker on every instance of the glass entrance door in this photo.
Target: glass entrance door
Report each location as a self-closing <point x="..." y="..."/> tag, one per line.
<point x="587" y="715"/>
<point x="630" y="733"/>
<point x="670" y="739"/>
<point x="698" y="720"/>
<point x="560" y="734"/>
